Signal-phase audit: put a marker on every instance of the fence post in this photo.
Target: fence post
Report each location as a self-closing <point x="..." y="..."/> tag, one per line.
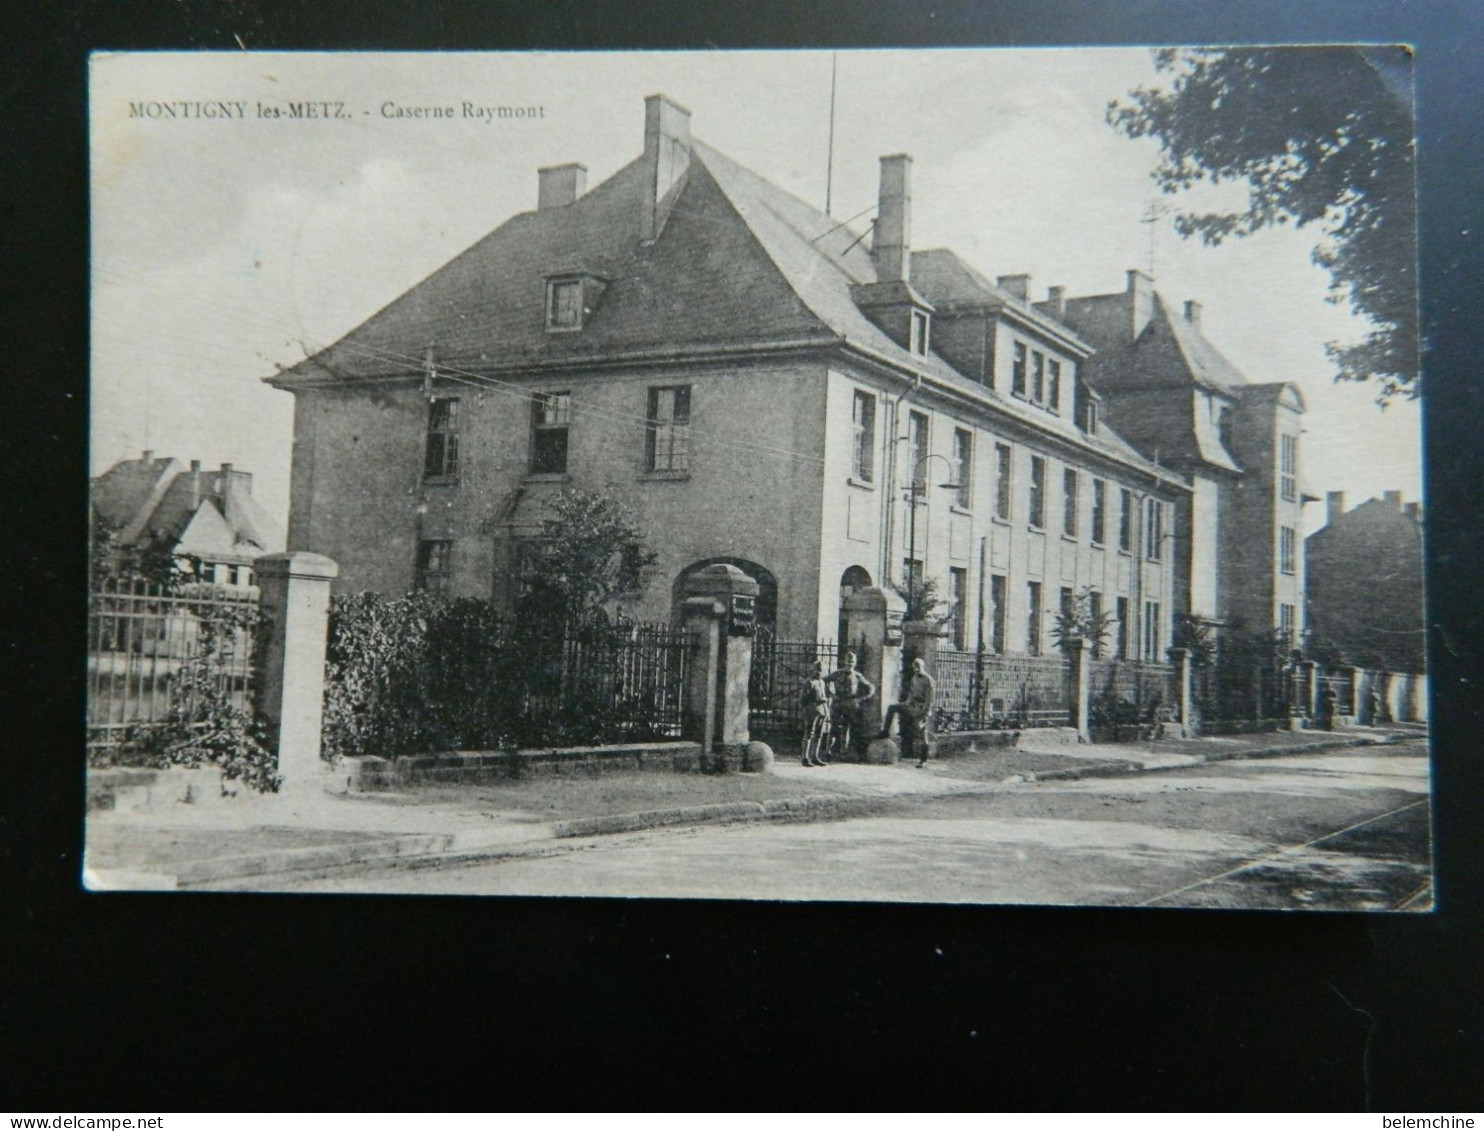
<point x="295" y="597"/>
<point x="873" y="616"/>
<point x="1079" y="686"/>
<point x="720" y="609"/>
<point x="1184" y="689"/>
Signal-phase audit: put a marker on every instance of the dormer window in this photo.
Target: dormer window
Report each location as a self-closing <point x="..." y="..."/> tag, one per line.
<point x="1090" y="417"/>
<point x="918" y="342"/>
<point x="564" y="304"/>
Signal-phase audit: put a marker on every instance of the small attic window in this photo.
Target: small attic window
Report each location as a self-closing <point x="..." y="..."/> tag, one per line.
<point x="1090" y="417"/>
<point x="564" y="304"/>
<point x="918" y="342"/>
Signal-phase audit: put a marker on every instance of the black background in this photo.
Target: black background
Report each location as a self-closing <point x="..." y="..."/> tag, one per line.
<point x="241" y="1002"/>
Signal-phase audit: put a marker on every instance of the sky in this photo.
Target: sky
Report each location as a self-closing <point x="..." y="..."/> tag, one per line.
<point x="227" y="247"/>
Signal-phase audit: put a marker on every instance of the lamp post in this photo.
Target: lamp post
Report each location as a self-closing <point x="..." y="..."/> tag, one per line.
<point x="915" y="488"/>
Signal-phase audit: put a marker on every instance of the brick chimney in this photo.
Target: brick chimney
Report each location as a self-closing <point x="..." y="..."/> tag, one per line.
<point x="559" y="185"/>
<point x="149" y="455"/>
<point x="1393" y="499"/>
<point x="891" y="245"/>
<point x="195" y="483"/>
<point x="1413" y="511"/>
<point x="1056" y="301"/>
<point x="1334" y="506"/>
<point x="1017" y="285"/>
<point x="1140" y="302"/>
<point x="1193" y="312"/>
<point x="667" y="157"/>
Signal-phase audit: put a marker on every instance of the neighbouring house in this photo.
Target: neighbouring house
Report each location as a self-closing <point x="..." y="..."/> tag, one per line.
<point x="1365" y="584"/>
<point x="761" y="388"/>
<point x="1181" y="403"/>
<point x="207" y="520"/>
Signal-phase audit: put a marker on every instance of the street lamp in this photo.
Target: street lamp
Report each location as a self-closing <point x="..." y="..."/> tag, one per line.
<point x="916" y="488"/>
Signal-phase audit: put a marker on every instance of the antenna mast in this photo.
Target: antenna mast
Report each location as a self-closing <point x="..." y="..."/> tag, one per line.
<point x="1154" y="211"/>
<point x="829" y="166"/>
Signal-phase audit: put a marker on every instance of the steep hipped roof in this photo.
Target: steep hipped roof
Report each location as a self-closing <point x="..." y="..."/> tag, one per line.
<point x="1205" y="363"/>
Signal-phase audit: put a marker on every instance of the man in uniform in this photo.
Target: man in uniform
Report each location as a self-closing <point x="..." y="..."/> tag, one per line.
<point x="851" y="692"/>
<point x="916" y="710"/>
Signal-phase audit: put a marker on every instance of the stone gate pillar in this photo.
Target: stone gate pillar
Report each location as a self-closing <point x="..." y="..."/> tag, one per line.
<point x="295" y="599"/>
<point x="1184" y="689"/>
<point x="873" y="618"/>
<point x="720" y="609"/>
<point x="1079" y="686"/>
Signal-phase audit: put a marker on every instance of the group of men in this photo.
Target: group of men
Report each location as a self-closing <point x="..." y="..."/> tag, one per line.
<point x="835" y="712"/>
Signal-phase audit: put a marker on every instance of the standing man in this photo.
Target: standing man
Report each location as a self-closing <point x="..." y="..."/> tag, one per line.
<point x="852" y="691"/>
<point x="916" y="710"/>
<point x="815" y="696"/>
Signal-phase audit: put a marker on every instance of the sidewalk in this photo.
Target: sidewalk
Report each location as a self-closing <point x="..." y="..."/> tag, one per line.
<point x="232" y="841"/>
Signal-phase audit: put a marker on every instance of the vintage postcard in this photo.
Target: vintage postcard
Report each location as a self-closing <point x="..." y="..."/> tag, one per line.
<point x="953" y="476"/>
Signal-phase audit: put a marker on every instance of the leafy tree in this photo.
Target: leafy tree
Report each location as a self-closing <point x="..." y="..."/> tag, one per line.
<point x="1318" y="136"/>
<point x="1079" y="620"/>
<point x="923" y="601"/>
<point x="151" y="559"/>
<point x="589" y="553"/>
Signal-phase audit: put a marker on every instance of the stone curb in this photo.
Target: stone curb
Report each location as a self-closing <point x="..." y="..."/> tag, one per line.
<point x="812" y="807"/>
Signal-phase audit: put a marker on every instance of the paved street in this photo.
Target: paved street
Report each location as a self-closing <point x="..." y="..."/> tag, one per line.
<point x="1339" y="830"/>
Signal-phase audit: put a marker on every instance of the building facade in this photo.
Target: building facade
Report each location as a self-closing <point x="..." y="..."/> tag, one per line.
<point x="758" y="387"/>
<point x="1365" y="584"/>
<point x="1238" y="443"/>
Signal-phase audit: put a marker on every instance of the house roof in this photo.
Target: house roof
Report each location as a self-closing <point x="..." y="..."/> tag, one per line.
<point x="214" y="517"/>
<point x="1206" y="364"/>
<point x="949" y="282"/>
<point x="739" y="263"/>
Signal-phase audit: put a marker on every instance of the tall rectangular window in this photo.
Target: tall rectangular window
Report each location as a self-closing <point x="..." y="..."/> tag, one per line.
<point x="564" y="304"/>
<point x="958" y="593"/>
<point x="1038" y="377"/>
<point x="863" y="423"/>
<point x="999" y="602"/>
<point x="667" y="434"/>
<point x="1017" y="369"/>
<point x="551" y="419"/>
<point x="1002" y="481"/>
<point x="1067" y="605"/>
<point x="441" y="456"/>
<point x="1053" y="384"/>
<point x="1287" y="541"/>
<point x="1094" y="617"/>
<point x="919" y="332"/>
<point x="432" y="566"/>
<point x="1154" y="530"/>
<point x="1121" y="633"/>
<point x="917" y="449"/>
<point x="1038" y="492"/>
<point x="1286" y="625"/>
<point x="1152" y="629"/>
<point x="912" y="573"/>
<point x="1099" y="511"/>
<point x="963" y="466"/>
<point x="1069" y="492"/>
<point x="1125" y="520"/>
<point x="1224" y="425"/>
<point x="1288" y="467"/>
<point x="1033" y="617"/>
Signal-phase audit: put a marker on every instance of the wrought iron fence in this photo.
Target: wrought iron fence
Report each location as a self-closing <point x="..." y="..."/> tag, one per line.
<point x="983" y="691"/>
<point x="1130" y="691"/>
<point x="143" y="638"/>
<point x="776" y="685"/>
<point x="632" y="674"/>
